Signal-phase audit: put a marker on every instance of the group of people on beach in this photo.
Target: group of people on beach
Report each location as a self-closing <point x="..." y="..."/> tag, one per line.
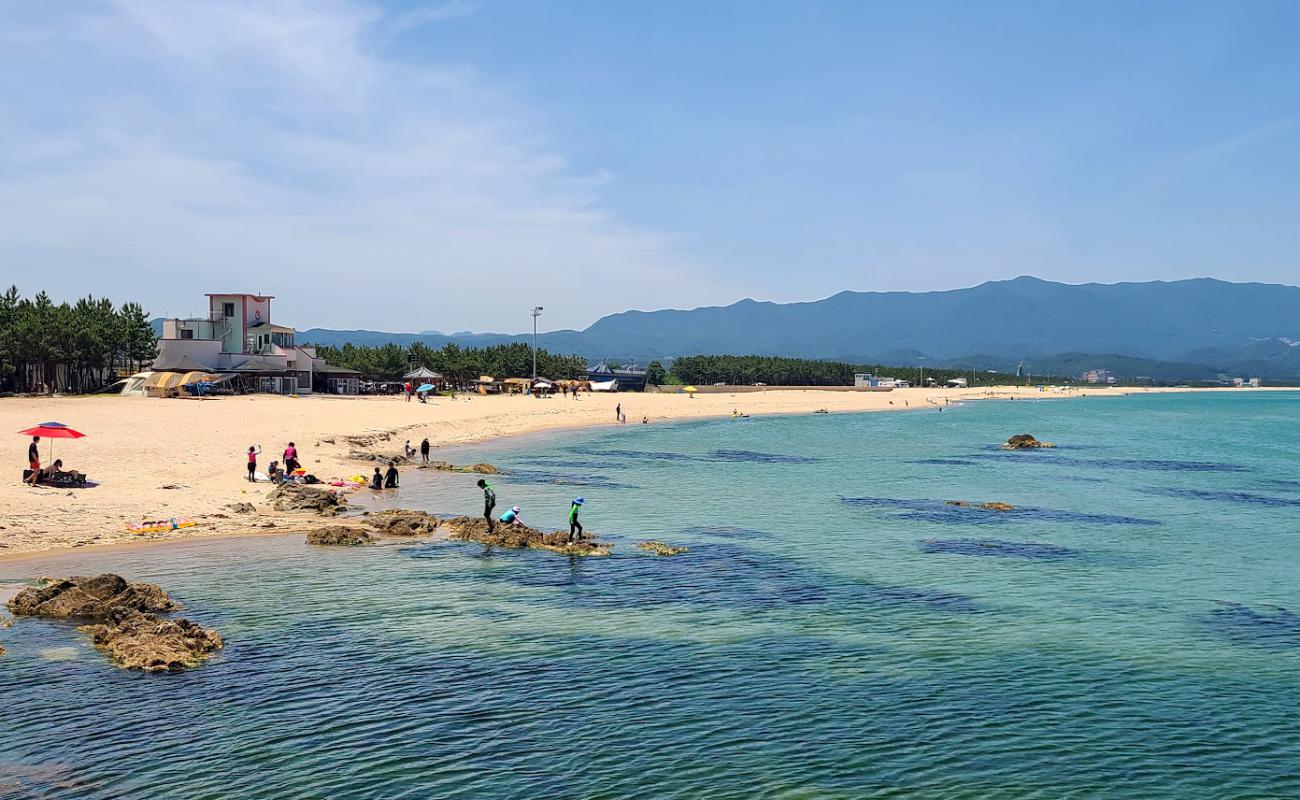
<point x="409" y="451"/>
<point x="53" y="474"/>
<point x="511" y="516"/>
<point x="390" y="480"/>
<point x="279" y="471"/>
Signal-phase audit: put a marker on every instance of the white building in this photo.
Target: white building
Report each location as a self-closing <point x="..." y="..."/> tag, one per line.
<point x="238" y="336"/>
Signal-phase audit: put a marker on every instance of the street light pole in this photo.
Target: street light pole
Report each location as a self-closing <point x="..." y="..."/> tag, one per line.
<point x="537" y="312"/>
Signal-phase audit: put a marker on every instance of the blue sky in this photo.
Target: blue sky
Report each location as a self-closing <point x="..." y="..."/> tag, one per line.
<point x="446" y="165"/>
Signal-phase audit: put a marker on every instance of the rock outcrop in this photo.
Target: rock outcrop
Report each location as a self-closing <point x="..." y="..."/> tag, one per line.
<point x="986" y="506"/>
<point x="340" y="536"/>
<point x="398" y="522"/>
<point x="474" y="529"/>
<point x="1024" y="441"/>
<point x="93" y="597"/>
<point x="366" y="455"/>
<point x="143" y="641"/>
<point x="125" y="621"/>
<point x="242" y="508"/>
<point x="443" y="466"/>
<point x="660" y="548"/>
<point x="296" y="497"/>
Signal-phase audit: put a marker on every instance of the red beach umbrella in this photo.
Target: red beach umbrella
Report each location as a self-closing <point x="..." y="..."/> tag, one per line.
<point x="52" y="431"/>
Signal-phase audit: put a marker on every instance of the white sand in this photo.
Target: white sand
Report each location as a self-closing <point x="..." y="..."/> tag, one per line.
<point x="134" y="446"/>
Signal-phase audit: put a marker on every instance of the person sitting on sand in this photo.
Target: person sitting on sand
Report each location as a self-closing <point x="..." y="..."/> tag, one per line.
<point x="390" y="479"/>
<point x="575" y="527"/>
<point x="253" y="452"/>
<point x="645" y="420"/>
<point x="275" y="473"/>
<point x="489" y="503"/>
<point x="34" y="460"/>
<point x="377" y="480"/>
<point x="511" y="517"/>
<point x="407" y="450"/>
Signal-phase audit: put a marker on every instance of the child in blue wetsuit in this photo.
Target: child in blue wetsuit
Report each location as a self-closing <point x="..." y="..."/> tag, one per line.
<point x="575" y="527"/>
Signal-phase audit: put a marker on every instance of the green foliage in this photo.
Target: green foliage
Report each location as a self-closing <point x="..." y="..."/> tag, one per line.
<point x="74" y="348"/>
<point x="459" y="364"/>
<point x="654" y="373"/>
<point x="775" y="371"/>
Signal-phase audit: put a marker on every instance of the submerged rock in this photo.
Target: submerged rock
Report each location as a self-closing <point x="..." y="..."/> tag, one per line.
<point x="340" y="535"/>
<point x="296" y="497"/>
<point x="143" y="641"/>
<point x="399" y="522"/>
<point x="94" y="597"/>
<point x="660" y="548"/>
<point x="475" y="529"/>
<point x="986" y="506"/>
<point x="1024" y="441"/>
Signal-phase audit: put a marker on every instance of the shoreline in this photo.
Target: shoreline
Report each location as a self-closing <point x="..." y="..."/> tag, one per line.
<point x="460" y="425"/>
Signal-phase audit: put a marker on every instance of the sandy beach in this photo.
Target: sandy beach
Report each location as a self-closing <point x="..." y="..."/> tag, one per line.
<point x="157" y="459"/>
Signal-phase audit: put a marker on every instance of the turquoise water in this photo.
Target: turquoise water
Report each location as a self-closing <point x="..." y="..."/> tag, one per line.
<point x="835" y="631"/>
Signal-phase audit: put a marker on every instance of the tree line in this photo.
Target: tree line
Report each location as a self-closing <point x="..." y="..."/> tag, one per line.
<point x="778" y="371"/>
<point x="79" y="347"/>
<point x="459" y="364"/>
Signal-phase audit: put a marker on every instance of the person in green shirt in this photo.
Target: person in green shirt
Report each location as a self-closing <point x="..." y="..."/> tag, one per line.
<point x="575" y="527"/>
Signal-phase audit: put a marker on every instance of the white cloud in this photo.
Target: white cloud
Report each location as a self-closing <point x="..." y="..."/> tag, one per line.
<point x="169" y="149"/>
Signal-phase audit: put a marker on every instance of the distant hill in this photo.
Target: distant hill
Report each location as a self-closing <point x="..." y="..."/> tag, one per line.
<point x="1177" y="330"/>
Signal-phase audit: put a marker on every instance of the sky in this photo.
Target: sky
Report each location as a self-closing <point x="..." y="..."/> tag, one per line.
<point x="446" y="165"/>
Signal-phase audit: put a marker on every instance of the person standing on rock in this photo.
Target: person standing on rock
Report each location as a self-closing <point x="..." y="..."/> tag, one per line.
<point x="390" y="480"/>
<point x="424" y="450"/>
<point x="489" y="503"/>
<point x="575" y="527"/>
<point x="253" y="452"/>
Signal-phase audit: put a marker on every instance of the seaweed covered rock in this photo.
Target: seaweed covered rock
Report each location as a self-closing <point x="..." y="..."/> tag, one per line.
<point x="475" y="529"/>
<point x="90" y="597"/>
<point x="296" y="497"/>
<point x="443" y="466"/>
<point x="340" y="536"/>
<point x="993" y="506"/>
<point x="660" y="548"/>
<point x="1024" y="441"/>
<point x="399" y="522"/>
<point x="385" y="458"/>
<point x="143" y="641"/>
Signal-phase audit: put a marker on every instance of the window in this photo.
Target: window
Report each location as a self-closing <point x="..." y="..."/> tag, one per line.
<point x="227" y="309"/>
<point x="186" y="333"/>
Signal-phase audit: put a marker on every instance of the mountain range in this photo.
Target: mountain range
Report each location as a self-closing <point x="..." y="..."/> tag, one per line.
<point x="1170" y="330"/>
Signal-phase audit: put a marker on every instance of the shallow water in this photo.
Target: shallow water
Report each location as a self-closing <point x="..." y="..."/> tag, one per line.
<point x="1130" y="633"/>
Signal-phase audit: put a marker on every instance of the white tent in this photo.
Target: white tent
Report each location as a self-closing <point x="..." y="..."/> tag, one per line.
<point x="604" y="386"/>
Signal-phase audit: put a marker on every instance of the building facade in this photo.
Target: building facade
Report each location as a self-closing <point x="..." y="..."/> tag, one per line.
<point x="238" y="336"/>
